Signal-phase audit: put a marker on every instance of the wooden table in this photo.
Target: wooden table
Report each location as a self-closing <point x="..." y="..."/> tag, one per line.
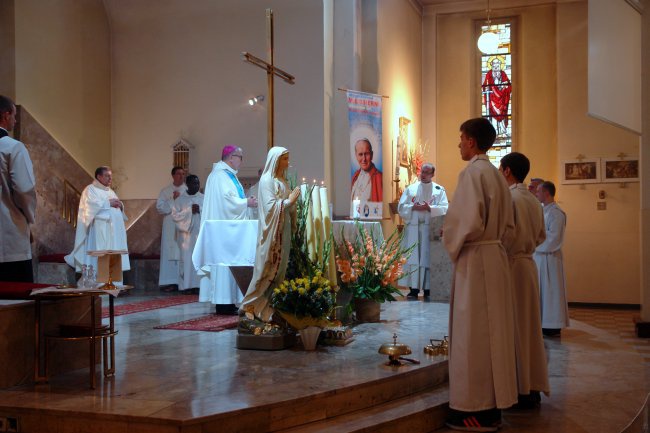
<point x="91" y="333"/>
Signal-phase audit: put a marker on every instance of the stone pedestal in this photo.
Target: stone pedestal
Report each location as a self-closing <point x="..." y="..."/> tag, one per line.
<point x="441" y="269"/>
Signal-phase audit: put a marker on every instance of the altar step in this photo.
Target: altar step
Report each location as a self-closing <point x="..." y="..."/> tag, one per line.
<point x="421" y="412"/>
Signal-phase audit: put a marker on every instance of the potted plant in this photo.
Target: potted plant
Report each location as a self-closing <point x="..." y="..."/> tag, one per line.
<point x="370" y="271"/>
<point x="306" y="304"/>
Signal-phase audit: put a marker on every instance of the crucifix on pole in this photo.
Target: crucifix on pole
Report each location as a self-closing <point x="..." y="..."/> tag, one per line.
<point x="271" y="72"/>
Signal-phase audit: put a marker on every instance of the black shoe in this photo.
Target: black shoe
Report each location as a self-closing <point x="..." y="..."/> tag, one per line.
<point x="551" y="332"/>
<point x="526" y="402"/>
<point x="413" y="294"/>
<point x="226" y="310"/>
<point x="427" y="293"/>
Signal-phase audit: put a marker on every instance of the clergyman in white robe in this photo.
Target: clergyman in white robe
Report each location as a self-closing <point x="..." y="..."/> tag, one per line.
<point x="169" y="252"/>
<point x="548" y="257"/>
<point x="416" y="227"/>
<point x="187" y="231"/>
<point x="99" y="227"/>
<point x="532" y="369"/>
<point x="482" y="372"/>
<point x="224" y="200"/>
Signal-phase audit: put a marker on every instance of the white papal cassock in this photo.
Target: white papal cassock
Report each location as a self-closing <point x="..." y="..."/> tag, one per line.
<point x="187" y="231"/>
<point x="482" y="372"/>
<point x="416" y="229"/>
<point x="99" y="227"/>
<point x="169" y="252"/>
<point x="532" y="371"/>
<point x="224" y="200"/>
<point x="548" y="257"/>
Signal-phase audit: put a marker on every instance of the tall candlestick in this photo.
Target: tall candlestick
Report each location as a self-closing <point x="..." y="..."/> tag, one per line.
<point x="327" y="229"/>
<point x="318" y="223"/>
<point x="398" y="159"/>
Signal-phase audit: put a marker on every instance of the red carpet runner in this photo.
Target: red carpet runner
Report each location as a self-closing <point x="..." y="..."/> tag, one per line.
<point x="211" y="323"/>
<point x="154" y="304"/>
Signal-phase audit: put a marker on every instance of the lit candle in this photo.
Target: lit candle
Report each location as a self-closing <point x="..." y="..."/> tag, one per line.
<point x="327" y="228"/>
<point x="356" y="205"/>
<point x="317" y="215"/>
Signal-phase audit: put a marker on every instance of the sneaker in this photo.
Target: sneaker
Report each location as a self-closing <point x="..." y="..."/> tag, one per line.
<point x="226" y="310"/>
<point x="471" y="421"/>
<point x="525" y="402"/>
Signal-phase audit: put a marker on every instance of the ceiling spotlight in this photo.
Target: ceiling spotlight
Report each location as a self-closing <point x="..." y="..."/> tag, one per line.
<point x="256" y="100"/>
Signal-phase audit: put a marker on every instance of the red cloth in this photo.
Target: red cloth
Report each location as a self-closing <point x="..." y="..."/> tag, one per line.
<point x="14" y="290"/>
<point x="499" y="96"/>
<point x="376" y="188"/>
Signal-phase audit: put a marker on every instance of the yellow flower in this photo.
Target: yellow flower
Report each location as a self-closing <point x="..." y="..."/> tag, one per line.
<point x="276" y="291"/>
<point x="301" y="291"/>
<point x="285" y="290"/>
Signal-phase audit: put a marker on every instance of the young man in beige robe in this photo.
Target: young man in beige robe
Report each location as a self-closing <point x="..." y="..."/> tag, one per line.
<point x="532" y="371"/>
<point x="482" y="372"/>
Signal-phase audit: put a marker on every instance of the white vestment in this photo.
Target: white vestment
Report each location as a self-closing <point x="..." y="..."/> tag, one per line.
<point x="224" y="200"/>
<point x="416" y="229"/>
<point x="482" y="372"/>
<point x="99" y="227"/>
<point x="17" y="201"/>
<point x="273" y="238"/>
<point x="548" y="257"/>
<point x="253" y="192"/>
<point x="169" y="252"/>
<point x="532" y="371"/>
<point x="187" y="231"/>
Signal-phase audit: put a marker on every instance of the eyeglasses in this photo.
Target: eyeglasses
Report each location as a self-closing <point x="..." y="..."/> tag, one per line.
<point x="240" y="156"/>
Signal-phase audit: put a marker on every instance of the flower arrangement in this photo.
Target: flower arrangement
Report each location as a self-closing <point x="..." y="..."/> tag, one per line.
<point x="371" y="271"/>
<point x="415" y="161"/>
<point x="305" y="301"/>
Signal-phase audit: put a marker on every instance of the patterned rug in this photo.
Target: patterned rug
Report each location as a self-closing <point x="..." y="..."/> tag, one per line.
<point x="154" y="304"/>
<point x="210" y="323"/>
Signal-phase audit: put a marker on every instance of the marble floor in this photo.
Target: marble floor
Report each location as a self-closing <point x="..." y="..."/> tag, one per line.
<point x="599" y="373"/>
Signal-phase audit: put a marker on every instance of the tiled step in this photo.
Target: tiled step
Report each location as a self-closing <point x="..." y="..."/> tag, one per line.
<point x="421" y="412"/>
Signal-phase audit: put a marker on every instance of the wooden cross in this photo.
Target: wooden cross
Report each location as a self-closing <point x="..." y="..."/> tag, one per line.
<point x="271" y="71"/>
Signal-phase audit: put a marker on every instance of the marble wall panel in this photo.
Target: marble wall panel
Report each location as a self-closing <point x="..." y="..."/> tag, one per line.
<point x="441" y="269"/>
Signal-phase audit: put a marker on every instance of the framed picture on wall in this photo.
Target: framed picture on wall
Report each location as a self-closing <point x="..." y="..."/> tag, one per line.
<point x="403" y="140"/>
<point x="578" y="171"/>
<point x="620" y="169"/>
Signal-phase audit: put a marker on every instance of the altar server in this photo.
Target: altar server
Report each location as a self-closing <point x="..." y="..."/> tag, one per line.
<point x="419" y="202"/>
<point x="169" y="252"/>
<point x="224" y="200"/>
<point x="186" y="214"/>
<point x="532" y="371"/>
<point x="548" y="256"/>
<point x="100" y="223"/>
<point x="482" y="373"/>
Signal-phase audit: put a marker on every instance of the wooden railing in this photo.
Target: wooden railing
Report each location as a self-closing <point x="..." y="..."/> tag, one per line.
<point x="70" y="203"/>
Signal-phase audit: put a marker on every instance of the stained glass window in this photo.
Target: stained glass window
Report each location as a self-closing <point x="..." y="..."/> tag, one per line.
<point x="496" y="91"/>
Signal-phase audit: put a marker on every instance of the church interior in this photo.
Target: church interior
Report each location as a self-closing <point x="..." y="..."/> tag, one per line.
<point x="131" y="83"/>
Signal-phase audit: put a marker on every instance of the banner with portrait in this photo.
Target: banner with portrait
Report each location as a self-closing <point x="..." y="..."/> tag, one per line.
<point x="366" y="193"/>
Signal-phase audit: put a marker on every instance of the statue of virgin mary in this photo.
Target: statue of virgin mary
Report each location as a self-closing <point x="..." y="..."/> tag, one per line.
<point x="277" y="216"/>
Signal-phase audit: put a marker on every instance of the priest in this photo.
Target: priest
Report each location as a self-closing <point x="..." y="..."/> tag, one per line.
<point x="186" y="214"/>
<point x="224" y="200"/>
<point x="532" y="371"/>
<point x="482" y="372"/>
<point x="100" y="223"/>
<point x="169" y="252"/>
<point x="419" y="202"/>
<point x="550" y="264"/>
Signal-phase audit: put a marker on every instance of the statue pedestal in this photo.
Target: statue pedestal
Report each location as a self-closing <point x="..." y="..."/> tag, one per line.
<point x="265" y="342"/>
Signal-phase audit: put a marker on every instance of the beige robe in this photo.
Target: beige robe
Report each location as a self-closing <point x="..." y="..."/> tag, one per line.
<point x="482" y="372"/>
<point x="273" y="239"/>
<point x="532" y="371"/>
<point x="187" y="225"/>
